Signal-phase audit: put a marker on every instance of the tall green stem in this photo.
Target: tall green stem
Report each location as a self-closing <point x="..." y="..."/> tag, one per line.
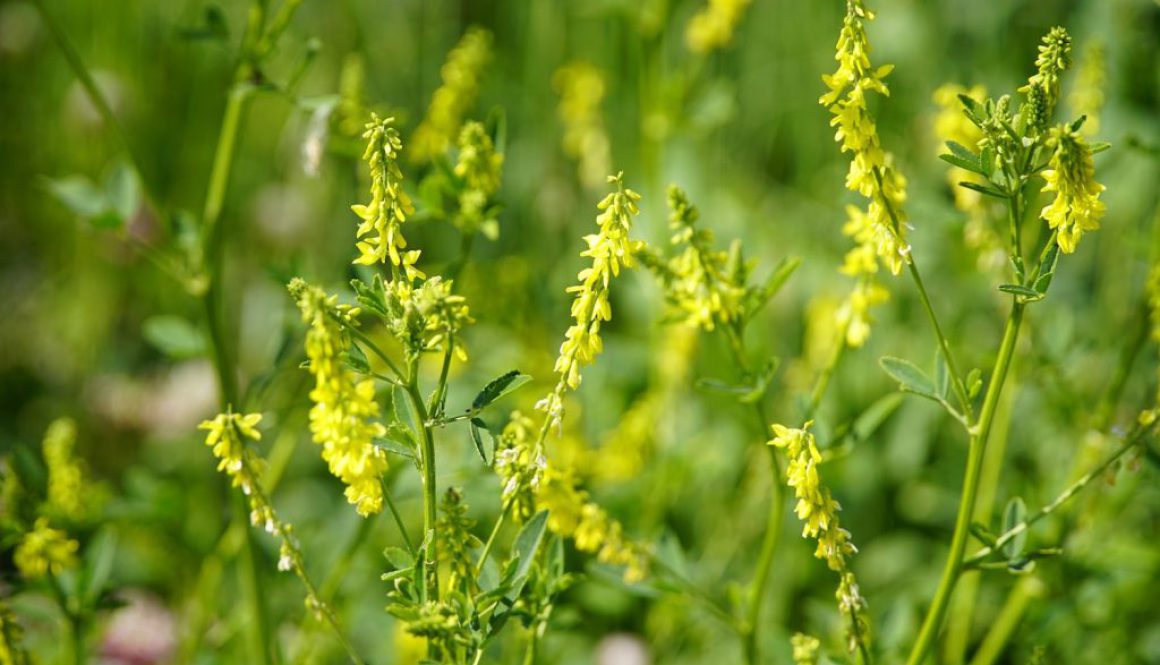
<point x="427" y="442"/>
<point x="975" y="453"/>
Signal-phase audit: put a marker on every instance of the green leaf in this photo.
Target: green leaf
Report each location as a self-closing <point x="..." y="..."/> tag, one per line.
<point x="759" y="298"/>
<point x="400" y="558"/>
<point x="910" y="378"/>
<point x="1099" y="146"/>
<point x="942" y="377"/>
<point x="499" y="387"/>
<point x="1014" y="514"/>
<point x="79" y="195"/>
<point x="527" y="542"/>
<point x="357" y="360"/>
<point x="969" y="165"/>
<point x="371" y="296"/>
<point x="123" y="191"/>
<point x="1020" y="290"/>
<point x="100" y="555"/>
<point x="983" y="189"/>
<point x="174" y="336"/>
<point x="974" y="382"/>
<point x="474" y="426"/>
<point x="1047" y="269"/>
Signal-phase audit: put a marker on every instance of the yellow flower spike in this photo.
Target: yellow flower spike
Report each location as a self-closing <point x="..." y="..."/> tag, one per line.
<point x="380" y="234"/>
<point x="582" y="87"/>
<point x="871" y="172"/>
<point x="481" y="168"/>
<point x="343" y="419"/>
<point x="609" y="249"/>
<point x="1076" y="208"/>
<point x="1087" y="96"/>
<point x="45" y="550"/>
<point x="713" y="27"/>
<point x="1053" y="59"/>
<point x="66" y="485"/>
<point x="461" y="75"/>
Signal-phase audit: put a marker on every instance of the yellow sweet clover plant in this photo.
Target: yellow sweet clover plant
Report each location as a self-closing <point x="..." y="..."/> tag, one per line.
<point x="581" y="87"/>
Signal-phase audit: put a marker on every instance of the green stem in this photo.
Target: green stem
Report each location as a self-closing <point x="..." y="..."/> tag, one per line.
<point x="944" y="346"/>
<point x="1130" y="442"/>
<point x="398" y="519"/>
<point x="427" y="458"/>
<point x="975" y="454"/>
<point x="491" y="539"/>
<point x="1008" y="619"/>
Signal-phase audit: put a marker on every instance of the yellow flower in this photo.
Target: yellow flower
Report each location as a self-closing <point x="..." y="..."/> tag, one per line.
<point x="854" y="314"/>
<point x="1053" y="59"/>
<point x="1076" y="208"/>
<point x="380" y="235"/>
<point x="609" y="249"/>
<point x="343" y="419"/>
<point x="871" y="171"/>
<point x="461" y="74"/>
<point x="817" y="510"/>
<point x="713" y="26"/>
<point x="480" y="168"/>
<point x="581" y="87"/>
<point x="66" y="495"/>
<point x="805" y="649"/>
<point x="45" y="550"/>
<point x="1087" y="97"/>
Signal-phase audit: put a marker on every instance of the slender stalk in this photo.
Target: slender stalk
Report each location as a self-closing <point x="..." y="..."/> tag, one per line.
<point x="944" y="346"/>
<point x="1129" y="443"/>
<point x="823" y="382"/>
<point x="76" y="625"/>
<point x="427" y="458"/>
<point x="398" y="520"/>
<point x="755" y="593"/>
<point x="1005" y="623"/>
<point x="975" y="453"/>
<point x="491" y="538"/>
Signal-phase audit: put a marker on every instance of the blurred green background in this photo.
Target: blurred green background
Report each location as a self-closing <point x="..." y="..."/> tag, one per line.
<point x="96" y="330"/>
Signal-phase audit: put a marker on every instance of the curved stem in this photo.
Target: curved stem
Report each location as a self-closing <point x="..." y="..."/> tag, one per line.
<point x="491" y="539"/>
<point x="954" y="563"/>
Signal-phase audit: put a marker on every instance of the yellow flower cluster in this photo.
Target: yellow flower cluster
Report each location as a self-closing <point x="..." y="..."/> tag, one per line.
<point x="609" y="249"/>
<point x="461" y="74"/>
<point x="853" y="605"/>
<point x="699" y="287"/>
<point x="380" y="235"/>
<point x="45" y="550"/>
<point x="713" y="26"/>
<point x="581" y="87"/>
<point x="854" y="314"/>
<point x="1087" y="96"/>
<point x="531" y="484"/>
<point x="343" y="418"/>
<point x="1071" y="175"/>
<point x="66" y="491"/>
<point x="883" y="227"/>
<point x="815" y="507"/>
<point x="1054" y="57"/>
<point x="571" y="514"/>
<point x="480" y="168"/>
<point x="227" y="436"/>
<point x="427" y="316"/>
<point x="805" y="649"/>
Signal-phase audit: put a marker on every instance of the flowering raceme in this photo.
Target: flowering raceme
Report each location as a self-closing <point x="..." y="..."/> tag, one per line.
<point x="713" y="26"/>
<point x="343" y="418"/>
<point x="871" y="171"/>
<point x="380" y="233"/>
<point x="609" y="249"/>
<point x="1076" y="208"/>
<point x="1053" y="59"/>
<point x="66" y="486"/>
<point x="45" y="550"/>
<point x="581" y="87"/>
<point x="480" y="167"/>
<point x="461" y="75"/>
